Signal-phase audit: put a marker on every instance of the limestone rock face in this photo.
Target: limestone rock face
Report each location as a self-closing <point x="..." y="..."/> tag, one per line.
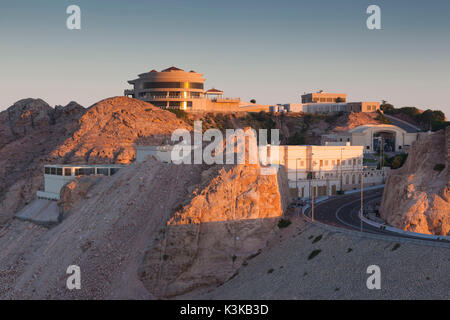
<point x="108" y="130"/>
<point x="76" y="191"/>
<point x="417" y="196"/>
<point x="206" y="241"/>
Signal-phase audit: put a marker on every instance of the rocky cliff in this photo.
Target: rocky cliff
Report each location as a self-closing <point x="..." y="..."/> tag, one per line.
<point x="205" y="242"/>
<point x="33" y="134"/>
<point x="417" y="196"/>
<point x="29" y="132"/>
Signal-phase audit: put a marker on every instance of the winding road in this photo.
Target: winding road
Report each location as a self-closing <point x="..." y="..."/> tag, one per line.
<point x="343" y="212"/>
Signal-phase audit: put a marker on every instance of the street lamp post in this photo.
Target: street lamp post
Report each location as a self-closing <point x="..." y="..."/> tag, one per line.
<point x="362" y="197"/>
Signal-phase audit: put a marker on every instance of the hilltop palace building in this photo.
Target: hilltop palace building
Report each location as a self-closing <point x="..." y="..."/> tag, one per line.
<point x="174" y="88"/>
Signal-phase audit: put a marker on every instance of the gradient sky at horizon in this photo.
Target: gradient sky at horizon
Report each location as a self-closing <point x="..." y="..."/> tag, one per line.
<point x="272" y="51"/>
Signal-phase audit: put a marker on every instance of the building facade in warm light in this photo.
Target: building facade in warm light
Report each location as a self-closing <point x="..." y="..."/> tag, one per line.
<point x="171" y="88"/>
<point x="373" y="136"/>
<point x="324" y="102"/>
<point x="174" y="88"/>
<point x="324" y="97"/>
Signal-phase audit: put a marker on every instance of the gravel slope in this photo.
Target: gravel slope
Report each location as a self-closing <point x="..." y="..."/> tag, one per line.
<point x="283" y="271"/>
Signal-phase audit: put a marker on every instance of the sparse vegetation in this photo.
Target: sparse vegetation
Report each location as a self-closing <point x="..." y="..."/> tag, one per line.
<point x="439" y="167"/>
<point x="349" y="250"/>
<point x="270" y="270"/>
<point x="395" y="162"/>
<point x="283" y="223"/>
<point x="314" y="253"/>
<point x="381" y="118"/>
<point x="429" y="119"/>
<point x="396" y="246"/>
<point x="181" y="114"/>
<point x="317" y="239"/>
<point x="296" y="139"/>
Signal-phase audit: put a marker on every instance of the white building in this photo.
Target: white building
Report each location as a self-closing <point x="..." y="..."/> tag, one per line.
<point x="370" y="136"/>
<point x="323" y="169"/>
<point x="56" y="176"/>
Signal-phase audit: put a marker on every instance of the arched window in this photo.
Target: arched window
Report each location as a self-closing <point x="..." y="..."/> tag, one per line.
<point x="353" y="179"/>
<point x="347" y="179"/>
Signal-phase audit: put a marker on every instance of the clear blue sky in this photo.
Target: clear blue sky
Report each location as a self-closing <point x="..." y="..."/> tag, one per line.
<point x="271" y="51"/>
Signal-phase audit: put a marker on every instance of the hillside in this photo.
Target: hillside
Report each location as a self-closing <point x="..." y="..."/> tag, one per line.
<point x="30" y="130"/>
<point x="34" y="134"/>
<point x="140" y="235"/>
<point x="417" y="196"/>
<point x="285" y="269"/>
<point x="295" y="128"/>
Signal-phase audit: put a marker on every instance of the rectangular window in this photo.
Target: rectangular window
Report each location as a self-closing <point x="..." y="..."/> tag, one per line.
<point x="103" y="171"/>
<point x="326" y="162"/>
<point x="46" y="170"/>
<point x="59" y="171"/>
<point x="321" y="163"/>
<point x="67" y="171"/>
<point x="52" y="170"/>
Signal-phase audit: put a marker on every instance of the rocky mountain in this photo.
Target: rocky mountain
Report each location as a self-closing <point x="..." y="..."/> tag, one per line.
<point x="29" y="132"/>
<point x="417" y="196"/>
<point x="153" y="230"/>
<point x="33" y="134"/>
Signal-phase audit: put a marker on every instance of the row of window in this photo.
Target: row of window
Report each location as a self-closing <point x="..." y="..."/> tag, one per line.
<point x="171" y="104"/>
<point x="165" y="94"/>
<point x="79" y="171"/>
<point x="325" y="163"/>
<point x="180" y="85"/>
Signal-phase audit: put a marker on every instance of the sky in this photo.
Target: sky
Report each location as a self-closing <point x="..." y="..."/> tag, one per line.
<point x="270" y="51"/>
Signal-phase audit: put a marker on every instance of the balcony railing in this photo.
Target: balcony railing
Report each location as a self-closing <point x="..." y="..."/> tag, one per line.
<point x="168" y="97"/>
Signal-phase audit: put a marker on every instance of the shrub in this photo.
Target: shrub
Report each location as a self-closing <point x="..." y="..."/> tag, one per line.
<point x="317" y="239"/>
<point x="314" y="253"/>
<point x="283" y="223"/>
<point x="439" y="167"/>
<point x="296" y="139"/>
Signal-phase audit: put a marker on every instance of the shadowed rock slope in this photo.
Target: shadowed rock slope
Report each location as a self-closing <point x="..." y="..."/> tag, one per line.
<point x="120" y="230"/>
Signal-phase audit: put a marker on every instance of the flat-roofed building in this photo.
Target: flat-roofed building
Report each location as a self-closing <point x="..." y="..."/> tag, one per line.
<point x="321" y="169"/>
<point x="324" y="102"/>
<point x="56" y="176"/>
<point x="324" y="97"/>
